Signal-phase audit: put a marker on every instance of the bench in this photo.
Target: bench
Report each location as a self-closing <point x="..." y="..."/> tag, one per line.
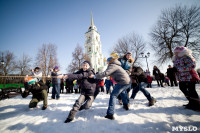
<point x="10" y="92"/>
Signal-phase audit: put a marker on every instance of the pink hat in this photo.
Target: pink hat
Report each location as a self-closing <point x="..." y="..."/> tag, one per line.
<point x="179" y="49"/>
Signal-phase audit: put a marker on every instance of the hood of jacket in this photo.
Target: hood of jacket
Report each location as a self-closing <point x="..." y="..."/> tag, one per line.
<point x="116" y="62"/>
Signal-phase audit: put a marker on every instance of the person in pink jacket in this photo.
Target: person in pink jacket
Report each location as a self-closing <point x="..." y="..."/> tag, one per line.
<point x="185" y="65"/>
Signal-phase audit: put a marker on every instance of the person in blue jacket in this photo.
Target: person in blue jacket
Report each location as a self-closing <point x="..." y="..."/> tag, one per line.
<point x="126" y="63"/>
<point x="108" y="84"/>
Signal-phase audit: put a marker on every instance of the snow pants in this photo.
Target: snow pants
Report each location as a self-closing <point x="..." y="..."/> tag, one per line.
<point x="188" y="89"/>
<point x="78" y="104"/>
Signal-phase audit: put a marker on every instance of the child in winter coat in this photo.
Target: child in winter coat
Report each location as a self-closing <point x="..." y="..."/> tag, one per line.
<point x="167" y="81"/>
<point x="88" y="87"/>
<point x="100" y="85"/>
<point x="121" y="77"/>
<point x="108" y="84"/>
<point x="38" y="90"/>
<point x="185" y="64"/>
<point x="149" y="81"/>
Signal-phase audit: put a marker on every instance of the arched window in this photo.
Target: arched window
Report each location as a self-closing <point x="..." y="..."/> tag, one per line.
<point x="89" y="49"/>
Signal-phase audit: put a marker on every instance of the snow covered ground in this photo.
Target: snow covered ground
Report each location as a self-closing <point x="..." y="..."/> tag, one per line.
<point x="166" y="115"/>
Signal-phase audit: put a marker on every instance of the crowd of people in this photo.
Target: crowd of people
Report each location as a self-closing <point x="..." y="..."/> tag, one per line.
<point x="121" y="75"/>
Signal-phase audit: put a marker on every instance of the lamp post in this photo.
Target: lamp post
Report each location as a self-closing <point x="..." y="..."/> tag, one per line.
<point x="2" y="63"/>
<point x="145" y="56"/>
<point x="2" y="60"/>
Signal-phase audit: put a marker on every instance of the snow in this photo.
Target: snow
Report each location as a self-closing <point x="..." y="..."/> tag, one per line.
<point x="168" y="112"/>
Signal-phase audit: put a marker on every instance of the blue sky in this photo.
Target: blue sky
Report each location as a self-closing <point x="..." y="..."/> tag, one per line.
<point x="27" y="24"/>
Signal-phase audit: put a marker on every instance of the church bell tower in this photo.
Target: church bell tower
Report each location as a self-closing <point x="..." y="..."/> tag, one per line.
<point x="93" y="47"/>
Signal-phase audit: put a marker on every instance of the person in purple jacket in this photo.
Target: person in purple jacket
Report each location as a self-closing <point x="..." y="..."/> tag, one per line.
<point x="88" y="87"/>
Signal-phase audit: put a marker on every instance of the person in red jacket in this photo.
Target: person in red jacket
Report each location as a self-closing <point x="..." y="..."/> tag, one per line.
<point x="102" y="85"/>
<point x="149" y="81"/>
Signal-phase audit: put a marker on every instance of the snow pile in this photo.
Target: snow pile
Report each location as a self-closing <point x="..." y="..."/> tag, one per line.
<point x="166" y="114"/>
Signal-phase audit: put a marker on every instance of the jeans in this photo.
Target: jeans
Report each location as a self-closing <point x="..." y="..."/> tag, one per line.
<point x="141" y="87"/>
<point x="116" y="91"/>
<point x="56" y="91"/>
<point x="108" y="89"/>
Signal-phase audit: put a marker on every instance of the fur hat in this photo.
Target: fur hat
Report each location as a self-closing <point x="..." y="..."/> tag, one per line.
<point x="182" y="51"/>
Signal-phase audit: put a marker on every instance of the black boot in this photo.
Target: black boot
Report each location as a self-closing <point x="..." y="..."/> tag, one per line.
<point x="152" y="102"/>
<point x="193" y="107"/>
<point x="68" y="120"/>
<point x="126" y="106"/>
<point x="44" y="107"/>
<point x="111" y="117"/>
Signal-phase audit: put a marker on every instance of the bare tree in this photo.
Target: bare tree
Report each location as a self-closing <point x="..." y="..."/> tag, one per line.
<point x="177" y="26"/>
<point x="190" y="32"/>
<point x="46" y="58"/>
<point x="132" y="43"/>
<point x="23" y="65"/>
<point x="9" y="63"/>
<point x="78" y="57"/>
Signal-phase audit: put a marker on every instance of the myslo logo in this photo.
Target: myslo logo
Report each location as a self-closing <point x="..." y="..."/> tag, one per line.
<point x="184" y="128"/>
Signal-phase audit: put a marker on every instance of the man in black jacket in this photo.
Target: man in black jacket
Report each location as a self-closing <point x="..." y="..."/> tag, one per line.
<point x="171" y="74"/>
<point x="39" y="92"/>
<point x="138" y="76"/>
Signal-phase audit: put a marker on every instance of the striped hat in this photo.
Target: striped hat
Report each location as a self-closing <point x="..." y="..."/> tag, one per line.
<point x="30" y="80"/>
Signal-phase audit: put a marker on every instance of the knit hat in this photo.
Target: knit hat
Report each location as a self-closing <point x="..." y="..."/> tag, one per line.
<point x="109" y="59"/>
<point x="179" y="49"/>
<point x="29" y="80"/>
<point x="87" y="63"/>
<point x="56" y="67"/>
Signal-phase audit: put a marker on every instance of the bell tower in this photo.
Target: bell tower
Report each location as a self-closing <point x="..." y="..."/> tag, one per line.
<point x="93" y="47"/>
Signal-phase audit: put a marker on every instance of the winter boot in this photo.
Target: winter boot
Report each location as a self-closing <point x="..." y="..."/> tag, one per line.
<point x="126" y="106"/>
<point x="195" y="107"/>
<point x="111" y="117"/>
<point x="152" y="102"/>
<point x="186" y="104"/>
<point x="44" y="107"/>
<point x="68" y="120"/>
